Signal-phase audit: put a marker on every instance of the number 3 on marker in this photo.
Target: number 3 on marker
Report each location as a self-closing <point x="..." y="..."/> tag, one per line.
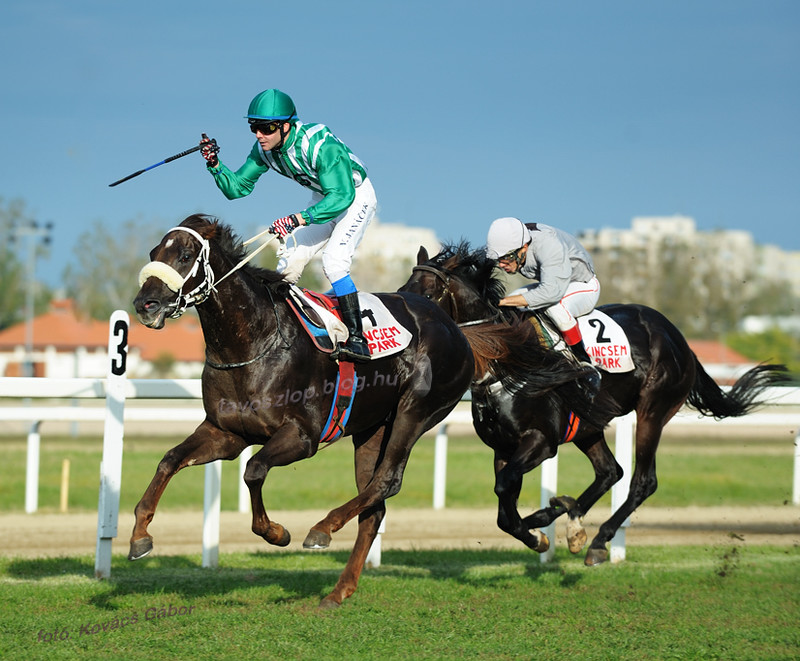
<point x="119" y="360"/>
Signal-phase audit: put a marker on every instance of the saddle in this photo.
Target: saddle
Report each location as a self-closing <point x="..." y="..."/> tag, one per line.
<point x="604" y="339"/>
<point x="319" y="316"/>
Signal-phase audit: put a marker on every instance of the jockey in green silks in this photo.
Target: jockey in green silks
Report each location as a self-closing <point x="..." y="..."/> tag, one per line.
<point x="343" y="201"/>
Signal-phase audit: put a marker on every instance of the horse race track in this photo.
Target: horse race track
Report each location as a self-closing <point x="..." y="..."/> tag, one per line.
<point x="180" y="532"/>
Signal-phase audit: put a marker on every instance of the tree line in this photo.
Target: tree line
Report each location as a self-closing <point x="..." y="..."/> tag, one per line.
<point x="690" y="291"/>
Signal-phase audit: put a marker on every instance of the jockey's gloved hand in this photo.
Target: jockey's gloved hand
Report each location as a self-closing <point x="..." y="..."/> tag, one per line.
<point x="283" y="227"/>
<point x="209" y="150"/>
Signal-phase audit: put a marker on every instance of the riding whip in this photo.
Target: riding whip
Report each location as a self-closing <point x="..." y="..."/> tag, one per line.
<point x="166" y="160"/>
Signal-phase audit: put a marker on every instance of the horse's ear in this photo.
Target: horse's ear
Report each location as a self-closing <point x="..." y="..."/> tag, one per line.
<point x="422" y="255"/>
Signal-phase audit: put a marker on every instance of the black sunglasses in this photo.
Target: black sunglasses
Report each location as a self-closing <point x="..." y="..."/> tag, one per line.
<point x="267" y="128"/>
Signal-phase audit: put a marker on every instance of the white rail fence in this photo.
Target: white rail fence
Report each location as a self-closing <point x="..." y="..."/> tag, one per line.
<point x="115" y="389"/>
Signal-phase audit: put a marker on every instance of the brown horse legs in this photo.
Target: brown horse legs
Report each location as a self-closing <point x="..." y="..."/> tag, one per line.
<point x="285" y="447"/>
<point x="368" y="524"/>
<point x="206" y="444"/>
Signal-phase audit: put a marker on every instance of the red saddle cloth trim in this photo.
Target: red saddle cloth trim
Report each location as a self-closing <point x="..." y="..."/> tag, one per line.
<point x="342" y="402"/>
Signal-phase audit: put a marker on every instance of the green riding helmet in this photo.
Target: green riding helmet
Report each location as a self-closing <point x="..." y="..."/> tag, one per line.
<point x="271" y="104"/>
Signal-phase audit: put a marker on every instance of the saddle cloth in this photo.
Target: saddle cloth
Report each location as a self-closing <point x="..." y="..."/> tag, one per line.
<point x="319" y="316"/>
<point x="604" y="339"/>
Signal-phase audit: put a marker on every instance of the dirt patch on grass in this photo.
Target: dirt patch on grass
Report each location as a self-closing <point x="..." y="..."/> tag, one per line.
<point x="175" y="533"/>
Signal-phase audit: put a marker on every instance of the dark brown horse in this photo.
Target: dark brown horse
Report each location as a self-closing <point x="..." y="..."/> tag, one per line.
<point x="258" y="358"/>
<point x="525" y="428"/>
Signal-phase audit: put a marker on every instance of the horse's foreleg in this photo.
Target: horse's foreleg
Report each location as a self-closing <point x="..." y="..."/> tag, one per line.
<point x="285" y="447"/>
<point x="368" y="524"/>
<point x="508" y="484"/>
<point x="379" y="474"/>
<point x="606" y="473"/>
<point x="206" y="444"/>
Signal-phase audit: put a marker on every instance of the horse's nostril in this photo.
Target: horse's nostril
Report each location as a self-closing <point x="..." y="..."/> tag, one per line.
<point x="151" y="305"/>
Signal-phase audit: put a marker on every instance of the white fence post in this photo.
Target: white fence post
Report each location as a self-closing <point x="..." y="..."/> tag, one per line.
<point x="796" y="480"/>
<point x="440" y="467"/>
<point x="32" y="469"/>
<point x="549" y="488"/>
<point x="211" y="511"/>
<point x="111" y="464"/>
<point x="244" y="492"/>
<point x="374" y="556"/>
<point x="623" y="451"/>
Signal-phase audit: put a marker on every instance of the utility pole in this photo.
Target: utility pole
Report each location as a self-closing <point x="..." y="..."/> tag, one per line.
<point x="35" y="234"/>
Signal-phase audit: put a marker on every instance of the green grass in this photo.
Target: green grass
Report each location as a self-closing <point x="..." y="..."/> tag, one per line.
<point x="717" y="602"/>
<point x="730" y="602"/>
<point x="691" y="471"/>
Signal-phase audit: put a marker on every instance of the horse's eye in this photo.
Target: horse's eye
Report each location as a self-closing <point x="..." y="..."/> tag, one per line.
<point x="185" y="256"/>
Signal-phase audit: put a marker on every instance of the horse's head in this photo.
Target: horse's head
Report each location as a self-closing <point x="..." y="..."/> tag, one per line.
<point x="179" y="274"/>
<point x="459" y="280"/>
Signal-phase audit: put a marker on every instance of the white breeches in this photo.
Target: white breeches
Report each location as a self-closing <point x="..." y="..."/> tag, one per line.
<point x="579" y="299"/>
<point x="338" y="239"/>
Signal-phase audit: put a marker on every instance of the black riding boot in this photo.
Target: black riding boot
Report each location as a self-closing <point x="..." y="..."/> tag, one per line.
<point x="593" y="379"/>
<point x="356" y="349"/>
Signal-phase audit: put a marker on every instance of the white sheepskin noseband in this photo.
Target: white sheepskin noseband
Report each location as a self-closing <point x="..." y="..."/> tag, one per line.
<point x="164" y="272"/>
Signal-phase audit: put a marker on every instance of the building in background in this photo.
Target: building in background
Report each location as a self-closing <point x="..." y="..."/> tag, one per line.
<point x="68" y="346"/>
<point x="732" y="255"/>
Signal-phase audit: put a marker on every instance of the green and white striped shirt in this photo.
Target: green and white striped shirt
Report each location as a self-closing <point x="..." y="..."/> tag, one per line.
<point x="311" y="155"/>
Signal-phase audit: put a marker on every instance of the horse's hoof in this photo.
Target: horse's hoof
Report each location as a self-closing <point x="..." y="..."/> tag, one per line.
<point x="577" y="541"/>
<point x="316" y="540"/>
<point x="329" y="603"/>
<point x="282" y="540"/>
<point x="543" y="544"/>
<point x="140" y="548"/>
<point x="595" y="557"/>
<point x="567" y="502"/>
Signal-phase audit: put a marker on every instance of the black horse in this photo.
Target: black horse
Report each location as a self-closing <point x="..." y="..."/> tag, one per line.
<point x="258" y="358"/>
<point x="524" y="430"/>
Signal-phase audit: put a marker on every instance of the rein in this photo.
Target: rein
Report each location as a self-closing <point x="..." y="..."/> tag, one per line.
<point x="175" y="282"/>
<point x="230" y="366"/>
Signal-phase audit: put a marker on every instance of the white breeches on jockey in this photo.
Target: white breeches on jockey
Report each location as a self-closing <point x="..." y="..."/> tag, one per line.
<point x="579" y="299"/>
<point x="338" y="239"/>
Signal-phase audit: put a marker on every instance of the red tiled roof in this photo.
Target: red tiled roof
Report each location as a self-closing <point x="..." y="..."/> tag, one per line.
<point x="711" y="352"/>
<point x="61" y="328"/>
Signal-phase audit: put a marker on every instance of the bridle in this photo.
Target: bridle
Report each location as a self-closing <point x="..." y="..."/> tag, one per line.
<point x="175" y="281"/>
<point x="445" y="277"/>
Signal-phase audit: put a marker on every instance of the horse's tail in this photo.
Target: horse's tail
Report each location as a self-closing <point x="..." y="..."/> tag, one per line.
<point x="710" y="400"/>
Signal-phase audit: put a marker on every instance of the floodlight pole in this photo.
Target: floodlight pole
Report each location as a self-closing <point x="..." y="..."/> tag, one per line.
<point x="32" y="231"/>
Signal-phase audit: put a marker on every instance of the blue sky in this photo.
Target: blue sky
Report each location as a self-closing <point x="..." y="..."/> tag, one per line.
<point x="580" y="114"/>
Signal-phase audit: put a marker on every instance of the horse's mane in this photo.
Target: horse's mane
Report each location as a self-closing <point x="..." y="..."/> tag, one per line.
<point x="231" y="245"/>
<point x="473" y="267"/>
